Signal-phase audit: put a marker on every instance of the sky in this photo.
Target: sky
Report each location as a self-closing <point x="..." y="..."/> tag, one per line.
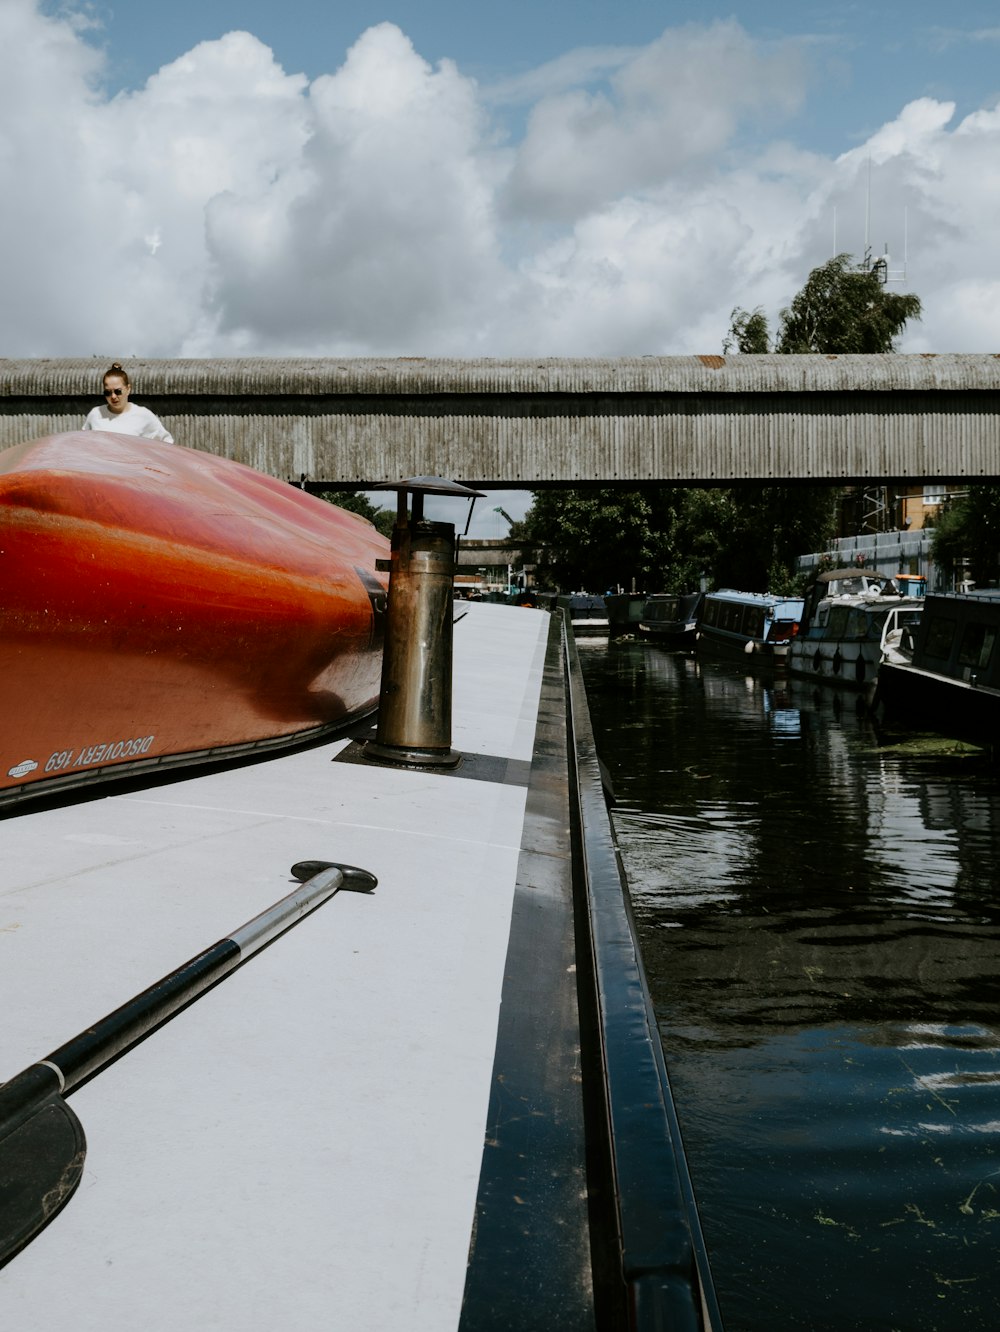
<point x="557" y="178"/>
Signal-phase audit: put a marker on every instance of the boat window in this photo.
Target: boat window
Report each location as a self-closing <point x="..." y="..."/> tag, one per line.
<point x="940" y="636"/>
<point x="783" y="630"/>
<point x="861" y="625"/>
<point x="848" y="587"/>
<point x="977" y="645"/>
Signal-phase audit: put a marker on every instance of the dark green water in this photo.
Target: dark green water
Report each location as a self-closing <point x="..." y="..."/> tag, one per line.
<point x="819" y="914"/>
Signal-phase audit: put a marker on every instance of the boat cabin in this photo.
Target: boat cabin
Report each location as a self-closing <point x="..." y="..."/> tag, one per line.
<point x="950" y="681"/>
<point x="957" y="637"/>
<point x="839" y="602"/>
<point x="587" y="613"/>
<point x="671" y="617"/>
<point x="750" y="621"/>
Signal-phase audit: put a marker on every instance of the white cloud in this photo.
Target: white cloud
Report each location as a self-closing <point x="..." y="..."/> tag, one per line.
<point x="384" y="235"/>
<point x="674" y="104"/>
<point x="578" y="67"/>
<point x="227" y="207"/>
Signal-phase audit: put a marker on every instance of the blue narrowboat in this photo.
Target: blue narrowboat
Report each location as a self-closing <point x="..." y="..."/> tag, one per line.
<point x="756" y="624"/>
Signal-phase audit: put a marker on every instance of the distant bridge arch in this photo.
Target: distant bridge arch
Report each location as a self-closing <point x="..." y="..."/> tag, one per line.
<point x="530" y="422"/>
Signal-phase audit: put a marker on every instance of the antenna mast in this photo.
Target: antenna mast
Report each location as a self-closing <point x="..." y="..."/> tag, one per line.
<point x="868" y="216"/>
<point x="880" y="266"/>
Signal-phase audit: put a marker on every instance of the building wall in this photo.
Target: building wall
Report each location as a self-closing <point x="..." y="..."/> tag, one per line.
<point x="886" y="553"/>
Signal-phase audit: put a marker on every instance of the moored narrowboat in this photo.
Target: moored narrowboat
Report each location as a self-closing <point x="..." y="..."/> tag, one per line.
<point x="944" y="674"/>
<point x="847" y="613"/>
<point x="587" y="613"/>
<point x="670" y="619"/>
<point x="624" y="613"/>
<point x="754" y="624"/>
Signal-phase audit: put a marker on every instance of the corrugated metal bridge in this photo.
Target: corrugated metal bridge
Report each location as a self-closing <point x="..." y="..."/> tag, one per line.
<point x="523" y="423"/>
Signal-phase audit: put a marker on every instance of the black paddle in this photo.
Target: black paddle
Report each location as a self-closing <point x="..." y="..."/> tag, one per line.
<point x="42" y="1144"/>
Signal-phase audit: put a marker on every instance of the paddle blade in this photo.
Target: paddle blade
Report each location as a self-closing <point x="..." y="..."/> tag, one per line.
<point x="42" y="1147"/>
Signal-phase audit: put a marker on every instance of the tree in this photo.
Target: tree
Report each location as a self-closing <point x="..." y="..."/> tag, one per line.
<point x="356" y="502"/>
<point x="967" y="532"/>
<point x="697" y="531"/>
<point x="843" y="307"/>
<point x="591" y="538"/>
<point x="772" y="526"/>
<point x="748" y="333"/>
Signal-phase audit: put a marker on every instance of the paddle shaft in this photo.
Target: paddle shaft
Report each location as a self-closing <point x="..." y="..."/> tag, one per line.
<point x="42" y="1142"/>
<point x="86" y="1054"/>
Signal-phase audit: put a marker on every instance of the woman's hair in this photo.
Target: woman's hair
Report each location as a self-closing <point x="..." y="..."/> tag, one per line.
<point x="119" y="370"/>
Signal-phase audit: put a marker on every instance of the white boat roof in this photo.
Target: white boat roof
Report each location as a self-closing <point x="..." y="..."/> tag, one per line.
<point x="752" y="598"/>
<point x="301" y="1147"/>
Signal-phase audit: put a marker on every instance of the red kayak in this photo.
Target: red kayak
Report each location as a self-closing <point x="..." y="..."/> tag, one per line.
<point x="160" y="605"/>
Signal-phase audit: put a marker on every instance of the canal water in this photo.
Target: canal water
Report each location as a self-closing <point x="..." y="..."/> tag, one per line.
<point x="819" y="914"/>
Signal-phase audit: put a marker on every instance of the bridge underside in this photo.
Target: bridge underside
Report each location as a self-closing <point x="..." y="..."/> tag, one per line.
<point x="530" y="423"/>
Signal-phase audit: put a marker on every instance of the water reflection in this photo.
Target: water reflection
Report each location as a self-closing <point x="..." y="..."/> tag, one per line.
<point x="820" y="928"/>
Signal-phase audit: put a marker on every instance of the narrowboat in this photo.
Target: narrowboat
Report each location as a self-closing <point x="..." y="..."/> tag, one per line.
<point x="944" y="673"/>
<point x="163" y="605"/>
<point x="847" y="613"/>
<point x="624" y="613"/>
<point x="755" y="624"/>
<point x="588" y="614"/>
<point x="671" y="620"/>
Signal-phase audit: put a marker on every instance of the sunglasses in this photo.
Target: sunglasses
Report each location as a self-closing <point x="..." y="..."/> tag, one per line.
<point x="113" y="393"/>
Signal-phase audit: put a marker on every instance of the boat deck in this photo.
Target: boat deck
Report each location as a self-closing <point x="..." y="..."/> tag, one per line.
<point x="439" y="1106"/>
<point x="302" y="1146"/>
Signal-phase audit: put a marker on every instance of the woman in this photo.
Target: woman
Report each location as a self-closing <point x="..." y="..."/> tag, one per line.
<point x="120" y="415"/>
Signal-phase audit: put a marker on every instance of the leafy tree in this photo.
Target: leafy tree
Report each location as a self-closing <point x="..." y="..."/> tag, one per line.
<point x="844" y="307"/>
<point x="968" y="529"/>
<point x="587" y="538"/>
<point x="696" y="537"/>
<point x="356" y="502"/>
<point x="748" y="333"/>
<point x="747" y="536"/>
<point x="773" y="525"/>
<point x="667" y="538"/>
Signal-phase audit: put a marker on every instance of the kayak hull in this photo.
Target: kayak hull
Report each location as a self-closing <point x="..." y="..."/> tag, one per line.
<point x="161" y="604"/>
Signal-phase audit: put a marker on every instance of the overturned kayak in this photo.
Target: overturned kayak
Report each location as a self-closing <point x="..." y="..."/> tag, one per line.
<point x="159" y="605"/>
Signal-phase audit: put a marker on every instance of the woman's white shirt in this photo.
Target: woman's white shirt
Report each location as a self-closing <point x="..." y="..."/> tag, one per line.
<point x="134" y="420"/>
